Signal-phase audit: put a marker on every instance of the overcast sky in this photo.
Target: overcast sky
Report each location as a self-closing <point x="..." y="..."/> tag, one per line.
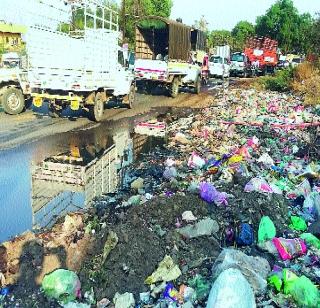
<point x="220" y="14"/>
<point x="225" y="14"/>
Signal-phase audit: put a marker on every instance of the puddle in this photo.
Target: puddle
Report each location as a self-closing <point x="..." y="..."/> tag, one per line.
<point x="43" y="181"/>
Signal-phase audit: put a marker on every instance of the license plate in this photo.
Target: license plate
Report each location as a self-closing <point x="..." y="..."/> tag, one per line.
<point x="75" y="105"/>
<point x="37" y="101"/>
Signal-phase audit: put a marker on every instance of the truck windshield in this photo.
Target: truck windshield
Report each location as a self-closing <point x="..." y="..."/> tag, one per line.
<point x="237" y="58"/>
<point x="216" y="59"/>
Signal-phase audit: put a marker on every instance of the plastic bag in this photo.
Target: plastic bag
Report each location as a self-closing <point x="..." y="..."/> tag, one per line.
<point x="224" y="294"/>
<point x="210" y="194"/>
<point x="298" y="223"/>
<point x="201" y="287"/>
<point x="62" y="285"/>
<point x="245" y="236"/>
<point x="303" y="291"/>
<point x="311" y="240"/>
<point x="259" y="185"/>
<point x="255" y="269"/>
<point x="195" y="161"/>
<point x="267" y="230"/>
<point x="290" y="248"/>
<point x="166" y="271"/>
<point x="170" y="173"/>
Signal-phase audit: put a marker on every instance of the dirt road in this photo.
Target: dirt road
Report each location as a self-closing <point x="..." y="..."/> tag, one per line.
<point x="29" y="126"/>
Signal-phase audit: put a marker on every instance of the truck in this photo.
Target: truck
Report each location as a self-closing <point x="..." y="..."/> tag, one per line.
<point x="77" y="64"/>
<point x="259" y="57"/>
<point x="219" y="62"/>
<point x="14" y="86"/>
<point x="163" y="55"/>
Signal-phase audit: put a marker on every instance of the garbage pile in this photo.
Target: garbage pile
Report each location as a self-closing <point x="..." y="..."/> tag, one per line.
<point x="226" y="214"/>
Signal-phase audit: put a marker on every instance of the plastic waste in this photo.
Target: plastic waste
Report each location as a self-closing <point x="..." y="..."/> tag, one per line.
<point x="289" y="248"/>
<point x="205" y="226"/>
<point x="298" y="223"/>
<point x="188" y="216"/>
<point x="266" y="159"/>
<point x="303" y="291"/>
<point x="170" y="173"/>
<point x="187" y="294"/>
<point x="195" y="161"/>
<point x="76" y="305"/>
<point x="134" y="200"/>
<point x="210" y="194"/>
<point x="166" y="271"/>
<point x="110" y="244"/>
<point x="267" y="230"/>
<point x="125" y="300"/>
<point x="62" y="285"/>
<point x="245" y="236"/>
<point x="235" y="159"/>
<point x="171" y="293"/>
<point x="311" y="240"/>
<point x="201" y="287"/>
<point x="275" y="279"/>
<point x="254" y="269"/>
<point x="224" y="294"/>
<point x="259" y="185"/>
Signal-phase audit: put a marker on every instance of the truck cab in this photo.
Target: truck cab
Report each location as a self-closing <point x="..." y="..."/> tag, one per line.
<point x="240" y="65"/>
<point x="14" y="87"/>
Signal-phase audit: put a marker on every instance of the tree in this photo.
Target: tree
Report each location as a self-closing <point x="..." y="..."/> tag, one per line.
<point x="242" y="30"/>
<point x="133" y="9"/>
<point x="283" y="23"/>
<point x="201" y="24"/>
<point x="315" y="36"/>
<point x="220" y="37"/>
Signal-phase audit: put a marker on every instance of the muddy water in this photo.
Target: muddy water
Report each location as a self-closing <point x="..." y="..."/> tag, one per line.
<point x="30" y="198"/>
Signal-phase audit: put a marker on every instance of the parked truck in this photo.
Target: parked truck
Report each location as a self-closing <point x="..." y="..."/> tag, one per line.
<point x="164" y="55"/>
<point x="14" y="86"/>
<point x="79" y="68"/>
<point x="259" y="58"/>
<point x="219" y="62"/>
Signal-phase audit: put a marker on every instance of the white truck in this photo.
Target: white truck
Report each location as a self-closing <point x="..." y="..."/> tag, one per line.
<point x="78" y="69"/>
<point x="14" y="87"/>
<point x="219" y="62"/>
<point x="163" y="55"/>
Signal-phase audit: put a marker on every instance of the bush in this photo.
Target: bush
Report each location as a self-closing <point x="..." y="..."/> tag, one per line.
<point x="281" y="82"/>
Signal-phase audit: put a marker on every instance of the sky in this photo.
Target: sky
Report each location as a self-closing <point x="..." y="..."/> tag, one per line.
<point x="225" y="14"/>
<point x="220" y="14"/>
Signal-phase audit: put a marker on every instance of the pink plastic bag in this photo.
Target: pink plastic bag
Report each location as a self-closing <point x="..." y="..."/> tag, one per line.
<point x="289" y="248"/>
<point x="257" y="184"/>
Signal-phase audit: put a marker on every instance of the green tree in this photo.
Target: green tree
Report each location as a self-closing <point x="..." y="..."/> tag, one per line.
<point x="131" y="10"/>
<point x="283" y="23"/>
<point x="220" y="37"/>
<point x="242" y="30"/>
<point x="315" y="36"/>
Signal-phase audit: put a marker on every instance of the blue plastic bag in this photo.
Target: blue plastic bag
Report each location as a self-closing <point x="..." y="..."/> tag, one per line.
<point x="245" y="236"/>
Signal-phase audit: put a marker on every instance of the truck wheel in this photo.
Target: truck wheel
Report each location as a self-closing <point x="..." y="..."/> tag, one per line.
<point x="174" y="88"/>
<point x="96" y="111"/>
<point x="12" y="100"/>
<point x="131" y="96"/>
<point x="197" y="85"/>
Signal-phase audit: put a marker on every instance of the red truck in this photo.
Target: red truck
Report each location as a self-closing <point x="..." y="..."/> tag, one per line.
<point x="262" y="54"/>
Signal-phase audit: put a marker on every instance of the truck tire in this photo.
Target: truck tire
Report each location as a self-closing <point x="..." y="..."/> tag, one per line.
<point x="174" y="87"/>
<point x="131" y="96"/>
<point x="197" y="85"/>
<point x="96" y="111"/>
<point x="12" y="100"/>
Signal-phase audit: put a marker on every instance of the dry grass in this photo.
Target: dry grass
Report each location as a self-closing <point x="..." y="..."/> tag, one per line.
<point x="307" y="82"/>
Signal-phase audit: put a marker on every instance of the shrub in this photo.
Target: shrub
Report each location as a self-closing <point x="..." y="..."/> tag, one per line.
<point x="281" y="82"/>
<point x="307" y="82"/>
